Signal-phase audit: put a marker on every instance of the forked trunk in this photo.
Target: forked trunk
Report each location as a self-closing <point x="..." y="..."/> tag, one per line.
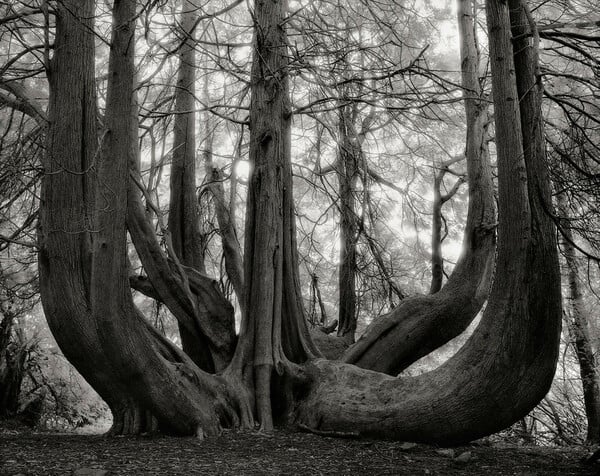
<point x="141" y="375"/>
<point x="507" y="365"/>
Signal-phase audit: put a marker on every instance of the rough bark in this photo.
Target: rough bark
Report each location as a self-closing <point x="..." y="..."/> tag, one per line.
<point x="420" y="324"/>
<point x="507" y="366"/>
<point x="87" y="301"/>
<point x="183" y="222"/>
<point x="274" y="333"/>
<point x="347" y="170"/>
<point x="65" y="212"/>
<point x="194" y="299"/>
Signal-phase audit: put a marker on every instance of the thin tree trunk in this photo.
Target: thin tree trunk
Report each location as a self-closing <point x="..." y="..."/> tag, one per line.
<point x="232" y="252"/>
<point x="183" y="215"/>
<point x="579" y="330"/>
<point x="183" y="222"/>
<point x="347" y="173"/>
<point x="437" y="223"/>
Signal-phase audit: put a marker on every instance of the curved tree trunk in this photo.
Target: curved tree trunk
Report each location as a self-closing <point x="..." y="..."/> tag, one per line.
<point x="87" y="302"/>
<point x="66" y="207"/>
<point x="507" y="366"/>
<point x="420" y="324"/>
<point x="194" y="299"/>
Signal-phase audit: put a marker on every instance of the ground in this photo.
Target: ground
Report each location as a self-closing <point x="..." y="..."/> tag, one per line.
<point x="290" y="453"/>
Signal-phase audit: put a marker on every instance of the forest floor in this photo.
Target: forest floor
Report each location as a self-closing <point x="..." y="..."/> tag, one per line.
<point x="285" y="453"/>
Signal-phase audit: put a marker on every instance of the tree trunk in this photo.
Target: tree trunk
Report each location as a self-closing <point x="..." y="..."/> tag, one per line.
<point x="503" y="371"/>
<point x="274" y="332"/>
<point x="12" y="366"/>
<point x="232" y="252"/>
<point x="66" y="206"/>
<point x="507" y="366"/>
<point x="579" y="330"/>
<point x="420" y="324"/>
<point x="140" y="374"/>
<point x="437" y="222"/>
<point x="183" y="211"/>
<point x="347" y="173"/>
<point x="437" y="259"/>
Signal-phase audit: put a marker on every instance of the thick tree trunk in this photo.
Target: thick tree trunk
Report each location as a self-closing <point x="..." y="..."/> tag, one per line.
<point x="87" y="302"/>
<point x="420" y="324"/>
<point x="507" y="366"/>
<point x="274" y="333"/>
<point x="66" y="206"/>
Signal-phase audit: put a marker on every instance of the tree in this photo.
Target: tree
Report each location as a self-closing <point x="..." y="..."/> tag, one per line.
<point x="579" y="328"/>
<point x="274" y="375"/>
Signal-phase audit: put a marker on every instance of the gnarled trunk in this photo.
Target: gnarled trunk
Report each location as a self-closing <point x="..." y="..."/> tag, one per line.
<point x="502" y="372"/>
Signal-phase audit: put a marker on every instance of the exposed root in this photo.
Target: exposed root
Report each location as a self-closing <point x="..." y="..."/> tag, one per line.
<point x="332" y="434"/>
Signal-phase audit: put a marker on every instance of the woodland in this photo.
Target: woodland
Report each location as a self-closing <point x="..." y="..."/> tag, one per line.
<point x="352" y="218"/>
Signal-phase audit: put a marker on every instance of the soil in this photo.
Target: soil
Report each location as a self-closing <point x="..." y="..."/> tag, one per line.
<point x="284" y="452"/>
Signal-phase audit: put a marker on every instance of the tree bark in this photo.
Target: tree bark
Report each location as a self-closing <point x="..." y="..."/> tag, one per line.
<point x="502" y="372"/>
<point x="347" y="174"/>
<point x="183" y="222"/>
<point x="507" y="366"/>
<point x="274" y="332"/>
<point x="87" y="301"/>
<point x="420" y="324"/>
<point x="66" y="205"/>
